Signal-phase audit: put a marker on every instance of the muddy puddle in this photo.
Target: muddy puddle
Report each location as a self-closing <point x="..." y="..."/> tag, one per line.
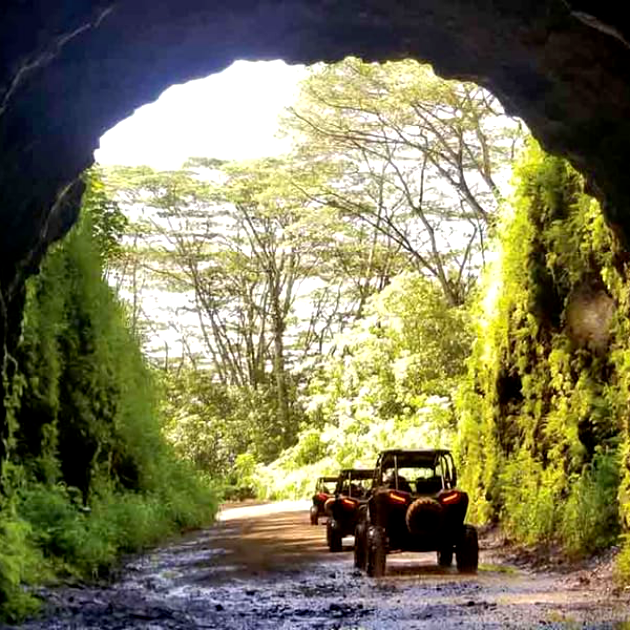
<point x="264" y="567"/>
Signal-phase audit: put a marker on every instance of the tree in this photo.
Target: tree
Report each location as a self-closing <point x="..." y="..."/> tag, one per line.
<point x="272" y="258"/>
<point x="411" y="344"/>
<point x="414" y="157"/>
<point x="389" y="383"/>
<point x="232" y="239"/>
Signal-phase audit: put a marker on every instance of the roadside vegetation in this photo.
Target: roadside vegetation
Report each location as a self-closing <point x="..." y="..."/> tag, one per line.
<point x="90" y="475"/>
<point x="417" y="272"/>
<point x="541" y="429"/>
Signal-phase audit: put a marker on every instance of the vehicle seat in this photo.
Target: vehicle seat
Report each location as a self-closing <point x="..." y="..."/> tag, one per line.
<point x="403" y="484"/>
<point x="432" y="485"/>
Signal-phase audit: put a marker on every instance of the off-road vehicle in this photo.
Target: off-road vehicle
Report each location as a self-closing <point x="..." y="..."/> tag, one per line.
<point x="352" y="491"/>
<point x="415" y="505"/>
<point x="323" y="491"/>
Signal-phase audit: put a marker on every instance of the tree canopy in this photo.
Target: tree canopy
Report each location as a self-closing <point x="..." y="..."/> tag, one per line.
<point x="418" y="159"/>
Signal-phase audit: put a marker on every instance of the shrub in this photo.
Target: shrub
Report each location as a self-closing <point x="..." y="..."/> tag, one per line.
<point x="590" y="516"/>
<point x="87" y="542"/>
<point x="20" y="562"/>
<point x="90" y="475"/>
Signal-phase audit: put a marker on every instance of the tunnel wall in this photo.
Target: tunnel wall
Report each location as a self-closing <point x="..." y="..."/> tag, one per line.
<point x="71" y="69"/>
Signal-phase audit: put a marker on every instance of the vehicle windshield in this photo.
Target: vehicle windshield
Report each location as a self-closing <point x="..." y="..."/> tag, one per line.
<point x="325" y="484"/>
<point x="355" y="484"/>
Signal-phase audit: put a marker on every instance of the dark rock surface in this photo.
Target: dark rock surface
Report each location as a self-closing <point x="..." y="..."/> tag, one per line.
<point x="71" y="69"/>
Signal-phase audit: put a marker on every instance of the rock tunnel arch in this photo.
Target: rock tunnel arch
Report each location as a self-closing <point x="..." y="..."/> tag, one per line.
<point x="72" y="69"/>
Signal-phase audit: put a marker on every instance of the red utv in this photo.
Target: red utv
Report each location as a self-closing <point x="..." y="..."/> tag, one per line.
<point x="415" y="505"/>
<point x="352" y="491"/>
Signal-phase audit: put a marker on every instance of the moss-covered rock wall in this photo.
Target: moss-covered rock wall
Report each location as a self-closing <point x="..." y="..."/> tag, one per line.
<point x="544" y="428"/>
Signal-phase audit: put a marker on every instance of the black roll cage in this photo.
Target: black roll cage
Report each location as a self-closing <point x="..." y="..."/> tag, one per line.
<point x="438" y="458"/>
<point x="348" y="474"/>
<point x="322" y="481"/>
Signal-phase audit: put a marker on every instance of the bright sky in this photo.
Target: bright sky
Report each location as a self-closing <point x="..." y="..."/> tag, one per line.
<point x="230" y="115"/>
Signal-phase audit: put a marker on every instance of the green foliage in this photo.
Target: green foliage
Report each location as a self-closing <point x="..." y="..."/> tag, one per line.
<point x="590" y="519"/>
<point x="229" y="238"/>
<point x="355" y="442"/>
<point x="394" y="169"/>
<point x="542" y="506"/>
<point x="89" y="405"/>
<point x="108" y="221"/>
<point x="525" y="482"/>
<point x="241" y="481"/>
<point x="87" y="542"/>
<point x="90" y="474"/>
<point x="211" y="423"/>
<point x="57" y="522"/>
<point x="202" y="424"/>
<point x="310" y="448"/>
<point x="20" y="562"/>
<point x="410" y="344"/>
<point x="414" y="159"/>
<point x="540" y="411"/>
<point x="244" y="468"/>
<point x="388" y="382"/>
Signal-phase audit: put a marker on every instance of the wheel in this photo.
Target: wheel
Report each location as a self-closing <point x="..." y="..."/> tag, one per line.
<point x="445" y="557"/>
<point x="360" y="546"/>
<point x="333" y="536"/>
<point x="377" y="552"/>
<point x="467" y="550"/>
<point x="424" y="517"/>
<point x="314" y="513"/>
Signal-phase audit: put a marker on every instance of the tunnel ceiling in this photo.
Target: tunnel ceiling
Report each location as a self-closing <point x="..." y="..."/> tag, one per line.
<point x="71" y="69"/>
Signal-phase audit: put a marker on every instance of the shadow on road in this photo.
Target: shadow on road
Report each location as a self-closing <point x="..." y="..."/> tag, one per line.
<point x="268" y="539"/>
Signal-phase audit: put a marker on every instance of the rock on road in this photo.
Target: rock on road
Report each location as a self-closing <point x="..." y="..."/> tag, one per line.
<point x="264" y="567"/>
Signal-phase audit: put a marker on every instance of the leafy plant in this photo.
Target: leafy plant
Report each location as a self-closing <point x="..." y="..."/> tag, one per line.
<point x="389" y="382"/>
<point x="90" y="474"/>
<point x="540" y="412"/>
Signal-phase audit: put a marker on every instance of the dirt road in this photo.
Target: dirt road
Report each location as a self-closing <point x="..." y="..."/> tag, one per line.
<point x="264" y="567"/>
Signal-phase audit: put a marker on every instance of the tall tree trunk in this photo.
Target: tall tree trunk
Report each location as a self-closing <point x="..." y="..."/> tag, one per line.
<point x="279" y="368"/>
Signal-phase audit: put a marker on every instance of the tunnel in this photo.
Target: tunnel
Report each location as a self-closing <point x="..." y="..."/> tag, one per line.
<point x="71" y="69"/>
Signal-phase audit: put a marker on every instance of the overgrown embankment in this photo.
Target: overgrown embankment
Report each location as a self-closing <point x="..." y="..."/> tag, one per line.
<point x="89" y="474"/>
<point x="543" y="413"/>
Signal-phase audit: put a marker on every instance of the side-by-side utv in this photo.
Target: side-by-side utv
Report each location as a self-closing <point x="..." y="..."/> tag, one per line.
<point x="415" y="505"/>
<point x="352" y="491"/>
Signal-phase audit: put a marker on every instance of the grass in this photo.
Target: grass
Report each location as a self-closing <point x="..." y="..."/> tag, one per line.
<point x="46" y="535"/>
<point x="488" y="567"/>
